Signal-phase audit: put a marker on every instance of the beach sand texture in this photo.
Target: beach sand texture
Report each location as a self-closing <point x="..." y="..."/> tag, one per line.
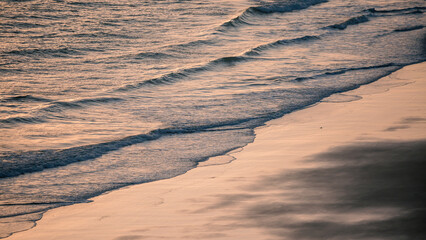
<point x="350" y="167"/>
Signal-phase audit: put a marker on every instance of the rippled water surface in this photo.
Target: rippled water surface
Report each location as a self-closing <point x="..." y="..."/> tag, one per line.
<point x="96" y="95"/>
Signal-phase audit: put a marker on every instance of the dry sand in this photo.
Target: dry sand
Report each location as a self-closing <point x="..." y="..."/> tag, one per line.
<point x="349" y="167"/>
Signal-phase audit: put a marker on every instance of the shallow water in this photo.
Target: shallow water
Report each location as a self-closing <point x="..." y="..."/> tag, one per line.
<point x="97" y="95"/>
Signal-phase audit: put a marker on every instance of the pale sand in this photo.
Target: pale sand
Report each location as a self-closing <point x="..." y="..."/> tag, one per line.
<point x="260" y="194"/>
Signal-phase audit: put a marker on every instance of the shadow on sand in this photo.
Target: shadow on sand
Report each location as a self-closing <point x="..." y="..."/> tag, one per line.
<point x="366" y="191"/>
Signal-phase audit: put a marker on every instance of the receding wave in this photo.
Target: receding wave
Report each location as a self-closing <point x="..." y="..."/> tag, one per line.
<point x="224" y="61"/>
<point x="407" y="29"/>
<point x="277" y="7"/>
<point x="17" y="163"/>
<point x="351" y="21"/>
<point x="345" y="70"/>
<point x="34" y="203"/>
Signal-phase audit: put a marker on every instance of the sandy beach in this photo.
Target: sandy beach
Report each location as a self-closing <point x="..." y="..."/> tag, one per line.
<point x="350" y="167"/>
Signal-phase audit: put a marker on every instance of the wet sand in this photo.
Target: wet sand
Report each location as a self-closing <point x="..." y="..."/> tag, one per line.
<point x="350" y="167"/>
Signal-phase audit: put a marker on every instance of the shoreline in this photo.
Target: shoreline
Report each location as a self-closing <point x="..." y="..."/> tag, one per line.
<point x="228" y="199"/>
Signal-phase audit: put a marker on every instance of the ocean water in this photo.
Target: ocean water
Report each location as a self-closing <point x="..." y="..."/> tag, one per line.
<point x="96" y="95"/>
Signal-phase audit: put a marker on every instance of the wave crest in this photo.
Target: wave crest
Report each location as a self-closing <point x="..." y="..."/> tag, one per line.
<point x="286" y="6"/>
<point x="276" y="7"/>
<point x="351" y="21"/>
<point x="257" y="50"/>
<point x="224" y="61"/>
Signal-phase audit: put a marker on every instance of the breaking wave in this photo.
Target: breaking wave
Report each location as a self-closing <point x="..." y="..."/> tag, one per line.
<point x="224" y="61"/>
<point x="268" y="8"/>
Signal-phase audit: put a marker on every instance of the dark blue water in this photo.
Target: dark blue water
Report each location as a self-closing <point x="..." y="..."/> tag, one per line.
<point x="97" y="95"/>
